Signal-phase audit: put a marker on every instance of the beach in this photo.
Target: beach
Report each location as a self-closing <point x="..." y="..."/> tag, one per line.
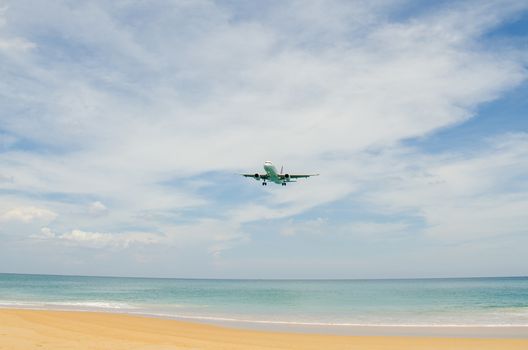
<point x="449" y="306"/>
<point x="45" y="329"/>
<point x="80" y="312"/>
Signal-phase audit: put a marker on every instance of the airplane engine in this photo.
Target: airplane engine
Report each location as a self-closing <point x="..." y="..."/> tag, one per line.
<point x="256" y="176"/>
<point x="286" y="176"/>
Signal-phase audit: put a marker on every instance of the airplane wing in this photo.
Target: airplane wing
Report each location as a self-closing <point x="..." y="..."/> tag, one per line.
<point x="296" y="176"/>
<point x="260" y="176"/>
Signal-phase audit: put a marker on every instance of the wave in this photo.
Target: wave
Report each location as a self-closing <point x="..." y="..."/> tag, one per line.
<point x="69" y="304"/>
<point x="322" y="324"/>
<point x="125" y="308"/>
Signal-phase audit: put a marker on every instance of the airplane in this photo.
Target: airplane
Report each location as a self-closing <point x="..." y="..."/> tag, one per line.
<point x="272" y="175"/>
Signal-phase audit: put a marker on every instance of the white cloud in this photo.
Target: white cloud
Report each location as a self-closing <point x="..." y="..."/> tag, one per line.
<point x="100" y="240"/>
<point x="367" y="228"/>
<point x="28" y="214"/>
<point x="46" y="232"/>
<point x="460" y="197"/>
<point x="11" y="44"/>
<point x="363" y="229"/>
<point x="16" y="44"/>
<point x="213" y="236"/>
<point x="317" y="226"/>
<point x="97" y="208"/>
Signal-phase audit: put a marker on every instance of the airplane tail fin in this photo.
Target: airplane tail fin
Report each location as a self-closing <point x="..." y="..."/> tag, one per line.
<point x="282" y="167"/>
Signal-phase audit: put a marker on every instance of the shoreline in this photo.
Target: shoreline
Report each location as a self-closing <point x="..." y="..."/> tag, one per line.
<point x="483" y="307"/>
<point x="442" y="331"/>
<point x="265" y="324"/>
<point x="39" y="329"/>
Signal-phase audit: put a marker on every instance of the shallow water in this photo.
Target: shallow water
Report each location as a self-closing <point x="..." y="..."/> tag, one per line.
<point x="419" y="302"/>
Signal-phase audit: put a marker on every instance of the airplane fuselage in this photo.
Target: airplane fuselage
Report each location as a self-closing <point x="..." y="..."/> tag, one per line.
<point x="271" y="171"/>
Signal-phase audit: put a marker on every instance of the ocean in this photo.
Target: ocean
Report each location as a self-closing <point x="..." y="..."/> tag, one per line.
<point x="458" y="302"/>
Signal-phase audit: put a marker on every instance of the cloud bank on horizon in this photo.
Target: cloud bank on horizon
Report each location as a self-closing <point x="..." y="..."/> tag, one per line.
<point x="123" y="125"/>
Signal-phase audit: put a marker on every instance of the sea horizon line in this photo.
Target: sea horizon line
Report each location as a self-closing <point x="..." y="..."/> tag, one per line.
<point x="270" y="279"/>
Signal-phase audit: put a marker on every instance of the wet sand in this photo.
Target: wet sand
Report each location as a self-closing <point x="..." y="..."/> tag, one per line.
<point x="36" y="329"/>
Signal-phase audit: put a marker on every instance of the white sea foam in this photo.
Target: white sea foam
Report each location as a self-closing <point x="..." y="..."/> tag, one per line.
<point x="81" y="305"/>
<point x="94" y="304"/>
<point x="12" y="303"/>
<point x="324" y="324"/>
<point x="154" y="311"/>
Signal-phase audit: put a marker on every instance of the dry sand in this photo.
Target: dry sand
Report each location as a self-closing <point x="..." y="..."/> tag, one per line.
<point x="35" y="329"/>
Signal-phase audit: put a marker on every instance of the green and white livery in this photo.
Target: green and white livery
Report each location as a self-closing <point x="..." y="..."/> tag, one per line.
<point x="273" y="176"/>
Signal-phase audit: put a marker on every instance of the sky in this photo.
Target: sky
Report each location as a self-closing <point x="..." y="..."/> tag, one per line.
<point x="124" y="126"/>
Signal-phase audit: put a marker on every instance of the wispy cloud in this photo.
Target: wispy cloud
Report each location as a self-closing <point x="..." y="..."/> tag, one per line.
<point x="461" y="196"/>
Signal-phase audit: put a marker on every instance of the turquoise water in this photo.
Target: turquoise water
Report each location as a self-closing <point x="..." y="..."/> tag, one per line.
<point x="421" y="302"/>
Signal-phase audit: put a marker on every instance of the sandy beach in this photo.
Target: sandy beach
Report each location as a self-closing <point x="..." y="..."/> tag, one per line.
<point x="36" y="329"/>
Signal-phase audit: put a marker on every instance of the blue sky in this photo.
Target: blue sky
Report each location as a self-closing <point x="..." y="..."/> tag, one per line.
<point x="123" y="126"/>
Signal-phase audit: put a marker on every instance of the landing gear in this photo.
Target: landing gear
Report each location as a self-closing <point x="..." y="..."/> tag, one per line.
<point x="264" y="183"/>
<point x="284" y="184"/>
